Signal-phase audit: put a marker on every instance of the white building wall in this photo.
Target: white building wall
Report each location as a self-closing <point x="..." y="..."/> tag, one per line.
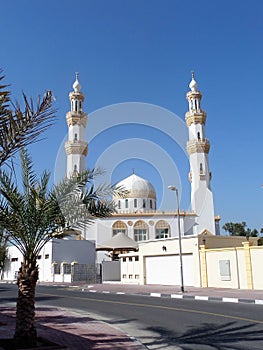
<point x="57" y="251"/>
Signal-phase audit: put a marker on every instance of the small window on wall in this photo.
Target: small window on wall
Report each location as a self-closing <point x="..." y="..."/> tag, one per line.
<point x="144" y="203"/>
<point x="140" y="231"/>
<point x="47" y="256"/>
<point x="80" y="105"/>
<point x="162" y="229"/>
<point x="136" y="258"/>
<point x="14" y="259"/>
<point x="75" y="168"/>
<point x="76" y="106"/>
<point x="201" y="168"/>
<point x="151" y="204"/>
<point x="198" y="136"/>
<point x="135" y="203"/>
<point x="126" y="203"/>
<point x="119" y="204"/>
<point x="76" y="137"/>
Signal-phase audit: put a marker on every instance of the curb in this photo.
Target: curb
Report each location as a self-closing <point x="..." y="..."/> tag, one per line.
<point x="182" y="296"/>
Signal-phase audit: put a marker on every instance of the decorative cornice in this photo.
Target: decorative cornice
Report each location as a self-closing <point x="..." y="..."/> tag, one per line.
<point x="75" y="118"/>
<point x="139" y="194"/>
<point x="195" y="117"/>
<point x="198" y="146"/>
<point x="152" y="213"/>
<point x="76" y="147"/>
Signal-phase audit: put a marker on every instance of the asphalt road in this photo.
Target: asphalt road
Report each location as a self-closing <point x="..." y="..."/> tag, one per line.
<point x="161" y="323"/>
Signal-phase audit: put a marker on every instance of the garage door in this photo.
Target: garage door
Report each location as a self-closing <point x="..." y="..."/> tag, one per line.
<point x="166" y="270"/>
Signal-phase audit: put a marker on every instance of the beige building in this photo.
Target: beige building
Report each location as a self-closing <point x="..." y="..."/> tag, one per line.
<point x="208" y="261"/>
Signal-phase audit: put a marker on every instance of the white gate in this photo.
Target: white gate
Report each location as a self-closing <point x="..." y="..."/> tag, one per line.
<point x="166" y="270"/>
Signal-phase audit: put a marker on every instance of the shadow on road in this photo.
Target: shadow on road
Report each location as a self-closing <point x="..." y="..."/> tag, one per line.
<point x="208" y="336"/>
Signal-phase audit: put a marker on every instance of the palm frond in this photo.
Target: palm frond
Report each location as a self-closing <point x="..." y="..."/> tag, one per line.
<point x="20" y="128"/>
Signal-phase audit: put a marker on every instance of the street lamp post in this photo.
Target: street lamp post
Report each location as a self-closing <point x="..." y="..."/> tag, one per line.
<point x="173" y="188"/>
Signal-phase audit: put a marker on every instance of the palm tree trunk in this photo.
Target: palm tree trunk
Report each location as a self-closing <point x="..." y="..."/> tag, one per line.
<point x="25" y="333"/>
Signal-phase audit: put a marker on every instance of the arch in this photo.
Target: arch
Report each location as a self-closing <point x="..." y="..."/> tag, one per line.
<point x="140" y="231"/>
<point x="162" y="229"/>
<point x="76" y="137"/>
<point x="119" y="226"/>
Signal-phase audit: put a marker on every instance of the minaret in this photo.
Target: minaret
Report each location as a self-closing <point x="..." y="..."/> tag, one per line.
<point x="200" y="176"/>
<point x="76" y="147"/>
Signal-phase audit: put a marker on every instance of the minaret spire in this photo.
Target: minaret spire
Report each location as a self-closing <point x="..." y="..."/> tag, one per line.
<point x="76" y="147"/>
<point x="198" y="147"/>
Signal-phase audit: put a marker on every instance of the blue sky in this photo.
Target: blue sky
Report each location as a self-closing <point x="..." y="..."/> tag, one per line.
<point x="144" y="51"/>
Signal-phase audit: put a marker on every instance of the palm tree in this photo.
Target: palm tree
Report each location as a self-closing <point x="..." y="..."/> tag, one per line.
<point x="35" y="214"/>
<point x="19" y="128"/>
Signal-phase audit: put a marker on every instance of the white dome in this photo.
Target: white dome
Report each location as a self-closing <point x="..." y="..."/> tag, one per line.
<point x="193" y="84"/>
<point x="76" y="86"/>
<point x="137" y="187"/>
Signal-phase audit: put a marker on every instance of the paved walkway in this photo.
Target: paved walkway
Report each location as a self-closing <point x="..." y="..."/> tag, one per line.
<point x="70" y="330"/>
<point x="75" y="331"/>
<point x="215" y="294"/>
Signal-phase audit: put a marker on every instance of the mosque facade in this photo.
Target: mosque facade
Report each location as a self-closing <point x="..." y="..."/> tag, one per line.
<point x="137" y="215"/>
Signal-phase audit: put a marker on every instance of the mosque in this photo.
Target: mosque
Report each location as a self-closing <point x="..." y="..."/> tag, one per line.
<point x="143" y="245"/>
<point x="137" y="215"/>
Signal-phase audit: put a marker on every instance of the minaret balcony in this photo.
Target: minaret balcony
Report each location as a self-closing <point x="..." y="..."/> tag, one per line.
<point x="195" y="117"/>
<point x="198" y="146"/>
<point x="76" y="147"/>
<point x="78" y="118"/>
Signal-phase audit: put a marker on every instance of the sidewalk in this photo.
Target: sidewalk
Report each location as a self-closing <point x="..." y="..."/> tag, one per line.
<point x="76" y="331"/>
<point x="70" y="330"/>
<point x="213" y="294"/>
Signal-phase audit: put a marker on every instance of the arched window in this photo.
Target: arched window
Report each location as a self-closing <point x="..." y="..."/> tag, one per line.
<point x="135" y="203"/>
<point x="75" y="168"/>
<point x="162" y="229"/>
<point x="76" y="137"/>
<point x="201" y="168"/>
<point x="151" y="204"/>
<point x="126" y="203"/>
<point x="144" y="203"/>
<point x="198" y="136"/>
<point x="119" y="226"/>
<point x="119" y="204"/>
<point x="140" y="231"/>
<point x="80" y="105"/>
